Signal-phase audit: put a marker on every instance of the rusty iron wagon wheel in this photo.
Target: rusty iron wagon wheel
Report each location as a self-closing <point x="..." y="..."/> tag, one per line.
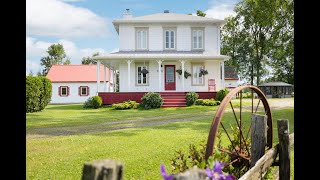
<point x="239" y="121"/>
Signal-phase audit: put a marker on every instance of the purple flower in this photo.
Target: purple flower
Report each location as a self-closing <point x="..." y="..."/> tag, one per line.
<point x="217" y="174"/>
<point x="164" y="173"/>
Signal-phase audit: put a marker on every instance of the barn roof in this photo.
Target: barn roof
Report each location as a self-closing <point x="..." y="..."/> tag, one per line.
<point x="75" y="73"/>
<point x="230" y="73"/>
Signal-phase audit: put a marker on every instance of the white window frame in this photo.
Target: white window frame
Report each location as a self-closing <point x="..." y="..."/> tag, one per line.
<point x="86" y="87"/>
<point x="170" y="30"/>
<point x="197" y="31"/>
<point x="66" y="87"/>
<point x="141" y="65"/>
<point x="139" y="39"/>
<point x="195" y="75"/>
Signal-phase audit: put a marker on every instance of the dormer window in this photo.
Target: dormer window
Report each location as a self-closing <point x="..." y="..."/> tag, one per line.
<point x="197" y="38"/>
<point x="141" y="38"/>
<point x="170" y="39"/>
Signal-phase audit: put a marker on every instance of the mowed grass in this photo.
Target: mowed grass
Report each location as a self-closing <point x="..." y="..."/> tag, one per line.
<point x="141" y="150"/>
<point x="75" y="114"/>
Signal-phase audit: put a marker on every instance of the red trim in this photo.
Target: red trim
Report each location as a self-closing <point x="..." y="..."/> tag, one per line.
<point x="67" y="91"/>
<point x="231" y="78"/>
<point x="80" y="91"/>
<point x="76" y="81"/>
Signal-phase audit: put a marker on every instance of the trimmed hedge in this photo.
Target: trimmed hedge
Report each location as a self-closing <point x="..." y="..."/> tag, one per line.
<point x="126" y="105"/>
<point x="221" y="94"/>
<point x="38" y="93"/>
<point x="151" y="100"/>
<point x="207" y="102"/>
<point x="93" y="102"/>
<point x="191" y="98"/>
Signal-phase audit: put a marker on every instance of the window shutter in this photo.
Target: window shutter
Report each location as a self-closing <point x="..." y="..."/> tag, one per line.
<point x="68" y="90"/>
<point x="59" y="90"/>
<point x="88" y="91"/>
<point x="79" y="91"/>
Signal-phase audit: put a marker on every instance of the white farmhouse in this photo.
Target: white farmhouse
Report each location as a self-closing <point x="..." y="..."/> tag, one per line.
<point x="154" y="48"/>
<point x="75" y="83"/>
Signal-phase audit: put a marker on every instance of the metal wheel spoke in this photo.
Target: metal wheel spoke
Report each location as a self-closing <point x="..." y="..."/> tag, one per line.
<point x="240" y="117"/>
<point x="251" y="101"/>
<point x="241" y="134"/>
<point x="257" y="106"/>
<point x="229" y="137"/>
<point x="248" y="132"/>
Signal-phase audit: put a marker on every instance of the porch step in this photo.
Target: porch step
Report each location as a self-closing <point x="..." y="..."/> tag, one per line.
<point x="173" y="99"/>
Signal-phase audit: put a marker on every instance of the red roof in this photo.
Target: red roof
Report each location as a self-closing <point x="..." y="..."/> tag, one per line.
<point x="76" y="73"/>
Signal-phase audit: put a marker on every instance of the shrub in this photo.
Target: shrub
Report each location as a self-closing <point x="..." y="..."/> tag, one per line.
<point x="292" y="94"/>
<point x="38" y="93"/>
<point x="151" y="100"/>
<point x="207" y="102"/>
<point x="191" y="98"/>
<point x="221" y="94"/>
<point x="126" y="105"/>
<point x="93" y="102"/>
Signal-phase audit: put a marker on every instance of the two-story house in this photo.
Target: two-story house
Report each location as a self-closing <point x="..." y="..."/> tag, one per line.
<point x="154" y="48"/>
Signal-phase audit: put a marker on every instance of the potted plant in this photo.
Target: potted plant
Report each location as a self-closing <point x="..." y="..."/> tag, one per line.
<point x="203" y="72"/>
<point x="186" y="73"/>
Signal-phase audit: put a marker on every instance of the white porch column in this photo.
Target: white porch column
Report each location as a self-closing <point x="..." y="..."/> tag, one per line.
<point x="182" y="75"/>
<point x="109" y="74"/>
<point x="113" y="80"/>
<point x="104" y="78"/>
<point x="159" y="72"/>
<point x="129" y="81"/>
<point x="222" y="80"/>
<point x="98" y="76"/>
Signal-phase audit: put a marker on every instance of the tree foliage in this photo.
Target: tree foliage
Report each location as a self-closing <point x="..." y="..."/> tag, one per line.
<point x="200" y="13"/>
<point x="56" y="55"/>
<point x="89" y="60"/>
<point x="259" y="36"/>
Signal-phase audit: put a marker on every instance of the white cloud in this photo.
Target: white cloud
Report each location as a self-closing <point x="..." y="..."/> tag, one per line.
<point x="36" y="49"/>
<point x="71" y="0"/>
<point x="115" y="50"/>
<point x="220" y="11"/>
<point x="59" y="19"/>
<point x="33" y="66"/>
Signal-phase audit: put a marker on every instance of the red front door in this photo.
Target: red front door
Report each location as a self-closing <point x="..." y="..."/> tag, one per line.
<point x="170" y="77"/>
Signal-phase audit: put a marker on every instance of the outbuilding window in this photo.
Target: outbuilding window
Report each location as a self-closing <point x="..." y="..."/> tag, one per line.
<point x="63" y="91"/>
<point x="83" y="91"/>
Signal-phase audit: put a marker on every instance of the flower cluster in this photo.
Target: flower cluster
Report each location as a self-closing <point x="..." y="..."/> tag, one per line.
<point x="217" y="174"/>
<point x="214" y="174"/>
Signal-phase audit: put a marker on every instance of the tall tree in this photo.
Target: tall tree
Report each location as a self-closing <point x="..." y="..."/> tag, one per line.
<point x="56" y="55"/>
<point x="30" y="73"/>
<point x="89" y="60"/>
<point x="249" y="37"/>
<point x="200" y="13"/>
<point x="39" y="73"/>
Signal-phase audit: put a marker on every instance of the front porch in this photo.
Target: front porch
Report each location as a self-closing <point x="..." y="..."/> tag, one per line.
<point x="162" y="74"/>
<point x="118" y="97"/>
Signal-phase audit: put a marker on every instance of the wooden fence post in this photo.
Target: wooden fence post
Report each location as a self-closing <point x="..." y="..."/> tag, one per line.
<point x="258" y="137"/>
<point x="284" y="154"/>
<point x="106" y="169"/>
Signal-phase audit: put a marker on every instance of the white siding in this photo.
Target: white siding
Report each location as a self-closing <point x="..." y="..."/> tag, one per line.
<point x="184" y="38"/>
<point x="231" y="83"/>
<point x="126" y="38"/>
<point x="74" y="92"/>
<point x="155" y="37"/>
<point x="211" y="39"/>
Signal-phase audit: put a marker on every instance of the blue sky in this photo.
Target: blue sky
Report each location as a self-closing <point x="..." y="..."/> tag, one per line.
<point x="85" y="26"/>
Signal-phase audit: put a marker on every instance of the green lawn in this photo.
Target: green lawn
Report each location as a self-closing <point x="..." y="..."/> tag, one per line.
<point x="141" y="150"/>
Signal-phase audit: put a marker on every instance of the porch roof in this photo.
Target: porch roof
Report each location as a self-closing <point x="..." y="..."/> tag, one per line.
<point x="161" y="55"/>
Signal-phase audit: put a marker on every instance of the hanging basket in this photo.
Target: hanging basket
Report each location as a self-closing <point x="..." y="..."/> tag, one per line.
<point x="203" y="72"/>
<point x="144" y="71"/>
<point x="186" y="73"/>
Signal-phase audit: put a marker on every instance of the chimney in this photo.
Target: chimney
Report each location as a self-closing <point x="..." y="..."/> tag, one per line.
<point x="127" y="14"/>
<point x="166" y="11"/>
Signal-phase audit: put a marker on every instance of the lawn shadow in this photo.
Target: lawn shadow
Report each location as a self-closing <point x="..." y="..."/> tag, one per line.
<point x="65" y="107"/>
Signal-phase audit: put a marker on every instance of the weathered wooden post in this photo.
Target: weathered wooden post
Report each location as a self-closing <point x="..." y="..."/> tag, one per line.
<point x="284" y="154"/>
<point x="106" y="169"/>
<point x="258" y="137"/>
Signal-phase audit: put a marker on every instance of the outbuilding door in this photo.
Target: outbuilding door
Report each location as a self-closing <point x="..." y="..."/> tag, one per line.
<point x="170" y="77"/>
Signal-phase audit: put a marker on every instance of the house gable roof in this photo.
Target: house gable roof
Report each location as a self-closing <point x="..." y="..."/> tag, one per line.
<point x="230" y="73"/>
<point x="167" y="18"/>
<point x="75" y="73"/>
<point x="276" y="84"/>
